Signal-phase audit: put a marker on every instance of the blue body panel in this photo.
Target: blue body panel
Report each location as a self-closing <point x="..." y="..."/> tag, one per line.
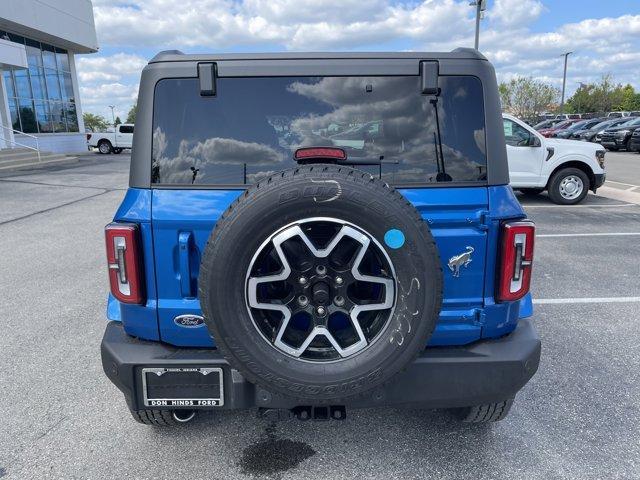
<point x="176" y="225"/>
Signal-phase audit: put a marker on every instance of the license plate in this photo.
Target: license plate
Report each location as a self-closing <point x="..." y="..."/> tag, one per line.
<point x="183" y="387"/>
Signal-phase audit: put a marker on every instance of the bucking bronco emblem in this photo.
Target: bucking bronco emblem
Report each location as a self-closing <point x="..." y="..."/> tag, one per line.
<point x="461" y="260"/>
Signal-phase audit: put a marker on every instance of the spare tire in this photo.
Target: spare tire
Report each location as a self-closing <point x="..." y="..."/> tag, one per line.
<point x="320" y="283"/>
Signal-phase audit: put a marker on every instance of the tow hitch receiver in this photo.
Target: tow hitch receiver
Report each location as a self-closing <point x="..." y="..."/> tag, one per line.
<point x="305" y="412"/>
<point x="333" y="412"/>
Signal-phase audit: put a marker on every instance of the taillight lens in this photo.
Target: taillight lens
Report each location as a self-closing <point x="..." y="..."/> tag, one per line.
<point x="514" y="276"/>
<point x="124" y="262"/>
<point x="88" y="137"/>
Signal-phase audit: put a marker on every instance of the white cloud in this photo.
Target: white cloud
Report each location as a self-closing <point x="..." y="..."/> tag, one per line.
<point x="513" y="13"/>
<point x="508" y="39"/>
<point x="109" y="80"/>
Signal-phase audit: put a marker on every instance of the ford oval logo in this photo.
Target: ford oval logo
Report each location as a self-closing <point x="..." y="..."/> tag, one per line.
<point x="189" y="321"/>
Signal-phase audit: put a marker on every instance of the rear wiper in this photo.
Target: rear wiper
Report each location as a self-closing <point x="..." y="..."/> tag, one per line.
<point x="442" y="175"/>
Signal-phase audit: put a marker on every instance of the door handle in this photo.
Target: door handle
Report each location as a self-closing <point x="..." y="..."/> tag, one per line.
<point x="184" y="250"/>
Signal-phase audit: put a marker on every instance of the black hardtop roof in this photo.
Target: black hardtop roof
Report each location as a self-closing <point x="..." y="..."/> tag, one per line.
<point x="178" y="56"/>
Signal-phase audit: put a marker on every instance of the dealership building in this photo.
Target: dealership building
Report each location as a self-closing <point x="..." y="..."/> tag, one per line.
<point x="39" y="93"/>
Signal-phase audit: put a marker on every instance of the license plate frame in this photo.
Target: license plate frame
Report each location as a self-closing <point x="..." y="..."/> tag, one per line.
<point x="215" y="401"/>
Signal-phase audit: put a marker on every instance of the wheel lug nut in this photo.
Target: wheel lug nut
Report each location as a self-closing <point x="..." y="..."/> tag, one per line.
<point x="302" y="280"/>
<point x="303" y="301"/>
<point x="339" y="300"/>
<point x="321" y="311"/>
<point x="339" y="280"/>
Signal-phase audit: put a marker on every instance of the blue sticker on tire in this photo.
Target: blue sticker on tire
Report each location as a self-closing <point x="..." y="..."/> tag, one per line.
<point x="394" y="238"/>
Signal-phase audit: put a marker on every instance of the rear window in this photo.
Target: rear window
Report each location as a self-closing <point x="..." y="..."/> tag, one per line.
<point x="253" y="126"/>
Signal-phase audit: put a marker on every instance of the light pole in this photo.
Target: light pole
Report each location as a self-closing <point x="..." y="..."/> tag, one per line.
<point x="481" y="6"/>
<point x="564" y="79"/>
<point x="113" y="118"/>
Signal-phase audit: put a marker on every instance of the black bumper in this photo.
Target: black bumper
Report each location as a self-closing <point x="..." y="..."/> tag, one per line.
<point x="483" y="372"/>
<point x="599" y="181"/>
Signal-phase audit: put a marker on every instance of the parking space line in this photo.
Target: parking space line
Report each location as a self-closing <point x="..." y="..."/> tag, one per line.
<point x="558" y="301"/>
<point x="599" y="234"/>
<point x="625" y="184"/>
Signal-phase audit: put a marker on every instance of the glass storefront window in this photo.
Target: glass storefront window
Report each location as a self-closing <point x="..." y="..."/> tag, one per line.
<point x="72" y="116"/>
<point x="27" y="115"/>
<point x="8" y="83"/>
<point x="62" y="60"/>
<point x="41" y="98"/>
<point x="13" y="111"/>
<point x="49" y="57"/>
<point x="34" y="55"/>
<point x="37" y="83"/>
<point x="23" y="87"/>
<point x="67" y="86"/>
<point x="53" y="87"/>
<point x="44" y="117"/>
<point x="57" y="117"/>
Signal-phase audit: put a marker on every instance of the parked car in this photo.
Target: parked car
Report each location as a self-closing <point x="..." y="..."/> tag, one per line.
<point x="545" y="124"/>
<point x="618" y="114"/>
<point x="121" y="138"/>
<point x="634" y="144"/>
<point x="619" y="137"/>
<point x="566" y="169"/>
<point x="594" y="133"/>
<point x="547" y="132"/>
<point x="571" y="129"/>
<point x="255" y="264"/>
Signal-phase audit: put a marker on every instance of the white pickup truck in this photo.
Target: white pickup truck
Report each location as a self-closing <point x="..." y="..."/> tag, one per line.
<point x="567" y="169"/>
<point x="113" y="141"/>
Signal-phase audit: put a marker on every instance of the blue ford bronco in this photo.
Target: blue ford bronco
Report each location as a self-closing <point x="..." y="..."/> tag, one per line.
<point x="308" y="233"/>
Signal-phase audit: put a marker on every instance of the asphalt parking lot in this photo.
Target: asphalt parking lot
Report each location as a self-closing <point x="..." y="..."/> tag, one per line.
<point x="61" y="418"/>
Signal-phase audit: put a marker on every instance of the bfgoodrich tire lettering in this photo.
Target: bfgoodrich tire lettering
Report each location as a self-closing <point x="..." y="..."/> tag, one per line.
<point x="320" y="191"/>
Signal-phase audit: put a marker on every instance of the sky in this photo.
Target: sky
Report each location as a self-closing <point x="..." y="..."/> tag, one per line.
<point x="520" y="37"/>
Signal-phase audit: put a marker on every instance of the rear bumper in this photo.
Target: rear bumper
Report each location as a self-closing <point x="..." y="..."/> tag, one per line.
<point x="483" y="372"/>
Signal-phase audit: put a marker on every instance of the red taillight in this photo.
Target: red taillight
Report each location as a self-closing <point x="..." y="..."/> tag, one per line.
<point x="88" y="137"/>
<point x="514" y="276"/>
<point x="124" y="262"/>
<point x="320" y="152"/>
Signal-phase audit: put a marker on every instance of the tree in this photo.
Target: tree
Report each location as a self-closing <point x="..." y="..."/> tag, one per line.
<point x="525" y="97"/>
<point x="118" y="121"/>
<point x="131" y="116"/>
<point x="603" y="97"/>
<point x="95" y="122"/>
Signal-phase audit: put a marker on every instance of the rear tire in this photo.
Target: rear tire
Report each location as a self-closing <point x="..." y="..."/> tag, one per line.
<point x="488" y="412"/>
<point x="568" y="186"/>
<point x="163" y="418"/>
<point x="105" y="147"/>
<point x="627" y="146"/>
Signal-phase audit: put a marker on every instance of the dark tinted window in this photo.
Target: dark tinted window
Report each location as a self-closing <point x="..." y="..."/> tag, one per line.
<point x="126" y="128"/>
<point x="254" y="125"/>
